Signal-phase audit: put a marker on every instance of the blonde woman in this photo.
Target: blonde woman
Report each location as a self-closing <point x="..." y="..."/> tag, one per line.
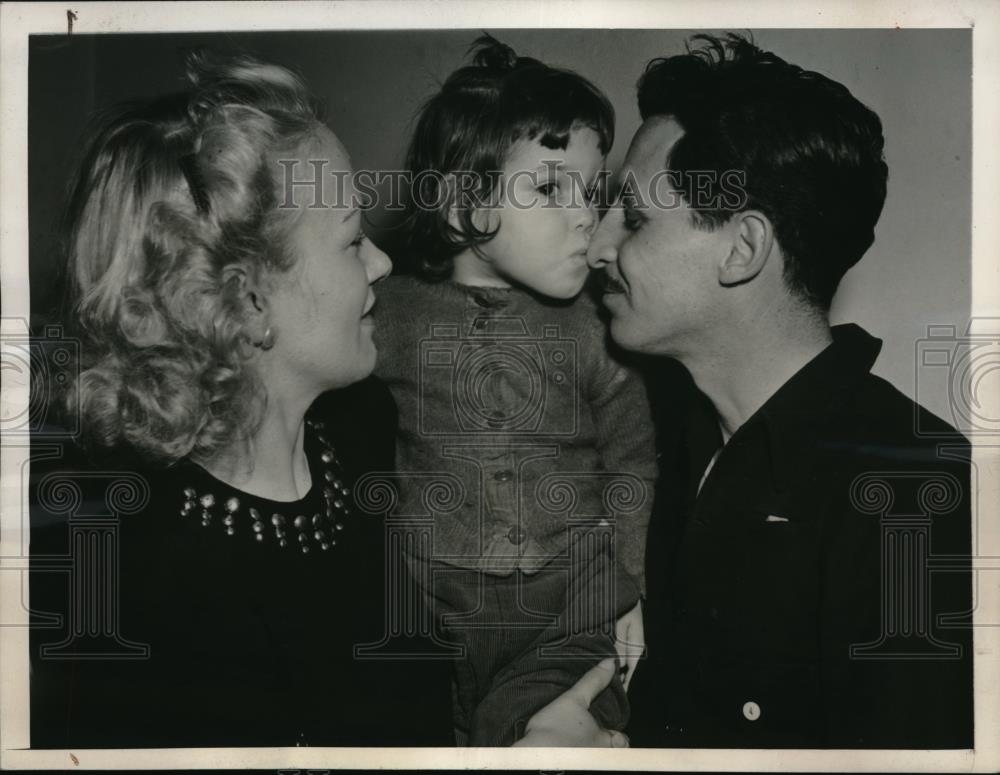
<point x="212" y="316"/>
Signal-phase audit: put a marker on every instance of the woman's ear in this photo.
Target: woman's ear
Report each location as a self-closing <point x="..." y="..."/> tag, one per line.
<point x="753" y="240"/>
<point x="253" y="307"/>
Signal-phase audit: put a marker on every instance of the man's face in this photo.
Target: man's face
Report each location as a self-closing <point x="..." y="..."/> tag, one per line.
<point x="663" y="283"/>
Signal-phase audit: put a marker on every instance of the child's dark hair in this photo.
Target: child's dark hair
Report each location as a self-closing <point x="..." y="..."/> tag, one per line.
<point x="465" y="132"/>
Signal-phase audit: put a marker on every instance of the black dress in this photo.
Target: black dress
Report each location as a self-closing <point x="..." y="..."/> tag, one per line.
<point x="230" y="620"/>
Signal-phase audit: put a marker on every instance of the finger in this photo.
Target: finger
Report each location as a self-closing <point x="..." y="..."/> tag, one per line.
<point x="633" y="660"/>
<point x="592" y="683"/>
<point x="619" y="740"/>
<point x="629" y="650"/>
<point x="629" y="640"/>
<point x="628" y="671"/>
<point x="621" y="629"/>
<point x="622" y="648"/>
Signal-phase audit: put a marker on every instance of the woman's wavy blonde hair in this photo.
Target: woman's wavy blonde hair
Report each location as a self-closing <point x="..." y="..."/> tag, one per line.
<point x="176" y="201"/>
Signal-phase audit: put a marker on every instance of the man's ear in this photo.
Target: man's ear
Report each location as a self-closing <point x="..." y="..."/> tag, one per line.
<point x="253" y="305"/>
<point x="753" y="240"/>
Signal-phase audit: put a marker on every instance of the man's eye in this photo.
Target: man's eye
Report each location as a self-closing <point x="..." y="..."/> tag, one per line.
<point x="632" y="220"/>
<point x="358" y="241"/>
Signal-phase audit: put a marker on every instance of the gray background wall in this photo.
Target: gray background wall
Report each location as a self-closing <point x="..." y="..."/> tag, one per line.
<point x="919" y="81"/>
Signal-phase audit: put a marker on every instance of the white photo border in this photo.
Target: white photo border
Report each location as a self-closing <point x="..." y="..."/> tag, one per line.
<point x="18" y="20"/>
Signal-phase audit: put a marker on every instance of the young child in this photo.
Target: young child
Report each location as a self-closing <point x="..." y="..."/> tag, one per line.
<point x="504" y="383"/>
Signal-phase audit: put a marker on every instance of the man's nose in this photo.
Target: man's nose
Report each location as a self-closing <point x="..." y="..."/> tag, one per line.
<point x="604" y="243"/>
<point x="377" y="263"/>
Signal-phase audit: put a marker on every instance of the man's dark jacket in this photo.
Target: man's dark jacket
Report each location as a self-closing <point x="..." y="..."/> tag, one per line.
<point x="816" y="592"/>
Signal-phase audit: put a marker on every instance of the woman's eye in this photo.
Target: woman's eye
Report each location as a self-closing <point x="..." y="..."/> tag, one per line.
<point x="548" y="189"/>
<point x="357" y="241"/>
<point x="632" y="220"/>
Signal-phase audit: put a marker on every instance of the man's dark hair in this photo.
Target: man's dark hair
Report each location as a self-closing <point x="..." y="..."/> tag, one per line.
<point x="810" y="151"/>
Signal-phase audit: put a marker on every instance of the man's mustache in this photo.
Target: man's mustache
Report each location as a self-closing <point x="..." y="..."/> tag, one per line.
<point x="609" y="284"/>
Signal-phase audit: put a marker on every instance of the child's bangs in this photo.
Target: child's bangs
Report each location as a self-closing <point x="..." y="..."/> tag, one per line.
<point x="556" y="106"/>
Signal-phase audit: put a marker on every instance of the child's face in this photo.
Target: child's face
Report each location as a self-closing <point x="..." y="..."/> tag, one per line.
<point x="545" y="216"/>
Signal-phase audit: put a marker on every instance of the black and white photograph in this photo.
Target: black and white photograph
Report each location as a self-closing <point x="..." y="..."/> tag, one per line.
<point x="544" y="386"/>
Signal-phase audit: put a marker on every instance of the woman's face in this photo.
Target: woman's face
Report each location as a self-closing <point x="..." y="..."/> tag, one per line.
<point x="320" y="309"/>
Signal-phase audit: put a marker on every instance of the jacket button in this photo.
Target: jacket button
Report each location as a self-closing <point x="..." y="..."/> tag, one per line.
<point x="751" y="711"/>
<point x="504" y="476"/>
<point x="516" y="536"/>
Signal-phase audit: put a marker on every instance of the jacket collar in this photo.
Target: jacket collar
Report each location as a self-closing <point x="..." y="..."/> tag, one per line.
<point x="794" y="416"/>
<point x="792" y="419"/>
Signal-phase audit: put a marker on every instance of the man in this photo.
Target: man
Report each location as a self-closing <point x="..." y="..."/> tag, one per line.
<point x="788" y="557"/>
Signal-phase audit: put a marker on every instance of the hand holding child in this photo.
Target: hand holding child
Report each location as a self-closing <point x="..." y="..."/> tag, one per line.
<point x="630" y="641"/>
<point x="567" y="722"/>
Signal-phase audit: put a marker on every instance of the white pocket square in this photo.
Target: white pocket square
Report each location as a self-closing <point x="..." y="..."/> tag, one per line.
<point x="775" y="518"/>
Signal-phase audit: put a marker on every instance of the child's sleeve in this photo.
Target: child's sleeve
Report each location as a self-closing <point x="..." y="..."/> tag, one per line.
<point x="625" y="442"/>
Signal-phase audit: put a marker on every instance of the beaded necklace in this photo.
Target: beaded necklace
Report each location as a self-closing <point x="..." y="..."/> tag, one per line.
<point x="319" y="529"/>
